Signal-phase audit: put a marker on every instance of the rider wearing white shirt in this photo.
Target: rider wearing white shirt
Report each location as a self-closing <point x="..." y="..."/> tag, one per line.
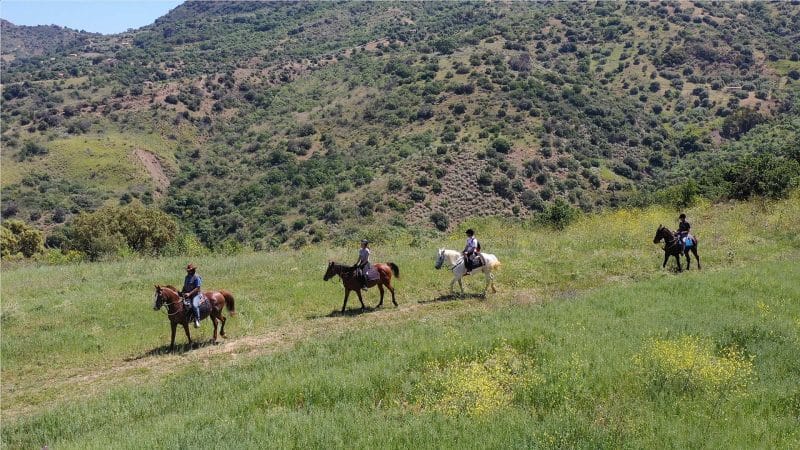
<point x="472" y="250"/>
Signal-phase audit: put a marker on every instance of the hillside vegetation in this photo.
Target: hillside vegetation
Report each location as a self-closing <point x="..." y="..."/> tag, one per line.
<point x="283" y="124"/>
<point x="587" y="344"/>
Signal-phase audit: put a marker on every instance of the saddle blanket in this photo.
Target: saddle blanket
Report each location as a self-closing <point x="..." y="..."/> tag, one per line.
<point x="371" y="274"/>
<point x="473" y="262"/>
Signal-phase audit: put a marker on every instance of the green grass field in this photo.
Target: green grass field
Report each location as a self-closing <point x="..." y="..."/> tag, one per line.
<point x="588" y="344"/>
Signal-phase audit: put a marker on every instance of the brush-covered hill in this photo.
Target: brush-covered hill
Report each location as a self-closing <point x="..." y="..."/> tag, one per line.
<point x="286" y="123"/>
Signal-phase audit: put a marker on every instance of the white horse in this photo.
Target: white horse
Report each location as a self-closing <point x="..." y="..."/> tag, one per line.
<point x="456" y="261"/>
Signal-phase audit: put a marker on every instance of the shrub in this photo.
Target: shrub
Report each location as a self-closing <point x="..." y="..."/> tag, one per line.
<point x="134" y="226"/>
<point x="501" y="145"/>
<point x="559" y="214"/>
<point x="740" y="122"/>
<point x="440" y="221"/>
<point x="17" y="237"/>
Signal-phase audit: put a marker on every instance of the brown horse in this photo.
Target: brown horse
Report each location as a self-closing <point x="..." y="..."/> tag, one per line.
<point x="352" y="282"/>
<point x="673" y="247"/>
<point x="177" y="314"/>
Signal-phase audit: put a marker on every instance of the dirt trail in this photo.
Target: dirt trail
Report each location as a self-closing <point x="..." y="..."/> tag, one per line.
<point x="154" y="169"/>
<point x="157" y="363"/>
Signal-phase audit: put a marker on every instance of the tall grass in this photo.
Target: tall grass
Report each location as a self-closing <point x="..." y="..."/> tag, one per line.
<point x="578" y="309"/>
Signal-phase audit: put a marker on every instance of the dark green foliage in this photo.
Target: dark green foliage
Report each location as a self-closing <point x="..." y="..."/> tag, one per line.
<point x="764" y="175"/>
<point x="440" y="221"/>
<point x="559" y="214"/>
<point x="111" y="229"/>
<point x="740" y="122"/>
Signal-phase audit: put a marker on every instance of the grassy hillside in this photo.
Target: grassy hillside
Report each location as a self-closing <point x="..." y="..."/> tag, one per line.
<point x="297" y="120"/>
<point x="588" y="343"/>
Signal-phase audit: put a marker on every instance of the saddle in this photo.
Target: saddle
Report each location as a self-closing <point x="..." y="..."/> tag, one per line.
<point x="473" y="262"/>
<point x="205" y="306"/>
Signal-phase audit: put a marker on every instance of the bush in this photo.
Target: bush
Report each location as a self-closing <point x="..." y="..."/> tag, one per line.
<point x="440" y="221"/>
<point x="740" y="122"/>
<point x="116" y="228"/>
<point x="501" y="145"/>
<point x="17" y="237"/>
<point x="762" y="175"/>
<point x="559" y="214"/>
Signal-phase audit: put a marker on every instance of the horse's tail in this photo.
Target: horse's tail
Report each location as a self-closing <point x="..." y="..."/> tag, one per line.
<point x="395" y="269"/>
<point x="229" y="302"/>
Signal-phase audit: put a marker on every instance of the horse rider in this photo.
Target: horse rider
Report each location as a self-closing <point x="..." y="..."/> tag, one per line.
<point x="191" y="290"/>
<point x="362" y="264"/>
<point x="683" y="231"/>
<point x="472" y="252"/>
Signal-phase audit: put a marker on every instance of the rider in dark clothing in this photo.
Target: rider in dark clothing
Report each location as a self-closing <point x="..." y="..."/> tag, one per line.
<point x="683" y="230"/>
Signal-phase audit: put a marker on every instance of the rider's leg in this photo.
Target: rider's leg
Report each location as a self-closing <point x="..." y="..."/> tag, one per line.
<point x="196" y="308"/>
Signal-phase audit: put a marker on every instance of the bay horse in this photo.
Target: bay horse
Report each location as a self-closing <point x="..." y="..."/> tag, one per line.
<point x="351" y="281"/>
<point x="178" y="314"/>
<point x="672" y="247"/>
<point x="456" y="261"/>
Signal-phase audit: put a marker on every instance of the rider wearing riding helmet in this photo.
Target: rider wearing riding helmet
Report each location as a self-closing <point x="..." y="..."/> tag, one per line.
<point x="363" y="263"/>
<point x="191" y="290"/>
<point x="471" y="251"/>
<point x="683" y="230"/>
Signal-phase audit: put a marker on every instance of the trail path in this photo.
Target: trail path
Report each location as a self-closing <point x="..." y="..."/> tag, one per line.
<point x="157" y="363"/>
<point x="154" y="169"/>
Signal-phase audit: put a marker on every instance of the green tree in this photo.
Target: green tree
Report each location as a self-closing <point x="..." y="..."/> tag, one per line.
<point x="559" y="214"/>
<point x="133" y="226"/>
<point x="17" y="237"/>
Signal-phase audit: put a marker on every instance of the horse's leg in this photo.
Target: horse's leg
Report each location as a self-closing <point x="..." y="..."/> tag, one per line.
<point x="688" y="259"/>
<point x="453" y="282"/>
<point x="666" y="258"/>
<point x="488" y="282"/>
<point x="186" y="329"/>
<point x="360" y="299"/>
<point x="172" y="340"/>
<point x="380" y="289"/>
<point x="222" y="328"/>
<point x="491" y="278"/>
<point x="678" y="260"/>
<point x="391" y="289"/>
<point x="346" y="294"/>
<point x="215" y="321"/>
<point x="694" y="250"/>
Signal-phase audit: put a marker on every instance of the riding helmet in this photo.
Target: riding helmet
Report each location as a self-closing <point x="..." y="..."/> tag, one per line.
<point x="191" y="267"/>
<point x="470" y="232"/>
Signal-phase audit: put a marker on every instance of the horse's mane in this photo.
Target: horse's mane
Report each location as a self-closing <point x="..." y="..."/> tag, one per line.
<point x="339" y="266"/>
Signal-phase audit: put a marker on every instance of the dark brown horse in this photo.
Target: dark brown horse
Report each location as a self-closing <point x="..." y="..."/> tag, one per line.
<point x="352" y="282"/>
<point x="177" y="314"/>
<point x="673" y="247"/>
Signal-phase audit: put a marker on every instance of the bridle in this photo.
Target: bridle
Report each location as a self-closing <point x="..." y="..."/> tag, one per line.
<point x="167" y="303"/>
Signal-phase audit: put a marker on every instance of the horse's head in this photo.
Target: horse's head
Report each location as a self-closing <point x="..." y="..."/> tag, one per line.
<point x="163" y="295"/>
<point x="331" y="272"/>
<point x="439" y="259"/>
<point x="661" y="233"/>
<point x="159" y="299"/>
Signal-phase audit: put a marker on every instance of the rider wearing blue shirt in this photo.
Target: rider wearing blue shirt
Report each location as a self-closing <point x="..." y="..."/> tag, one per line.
<point x="191" y="290"/>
